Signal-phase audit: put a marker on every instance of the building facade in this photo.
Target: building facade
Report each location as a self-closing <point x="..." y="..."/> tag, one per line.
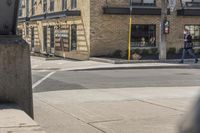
<point x="81" y="29"/>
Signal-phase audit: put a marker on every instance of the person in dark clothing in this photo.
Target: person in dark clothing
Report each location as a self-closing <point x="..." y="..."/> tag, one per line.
<point x="188" y="47"/>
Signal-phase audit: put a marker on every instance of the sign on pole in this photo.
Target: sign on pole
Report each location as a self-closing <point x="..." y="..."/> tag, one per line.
<point x="171" y="5"/>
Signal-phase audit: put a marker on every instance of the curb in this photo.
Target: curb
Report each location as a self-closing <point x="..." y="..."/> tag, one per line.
<point x="140" y="67"/>
<point x="119" y="61"/>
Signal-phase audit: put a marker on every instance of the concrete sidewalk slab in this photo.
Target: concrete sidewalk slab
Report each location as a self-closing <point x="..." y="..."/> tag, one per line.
<point x="123" y="110"/>
<point x="57" y="120"/>
<point x="160" y="124"/>
<point x="14" y="120"/>
<point x="22" y="130"/>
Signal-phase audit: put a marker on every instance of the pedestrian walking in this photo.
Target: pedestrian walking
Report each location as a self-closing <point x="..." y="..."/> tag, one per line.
<point x="188" y="47"/>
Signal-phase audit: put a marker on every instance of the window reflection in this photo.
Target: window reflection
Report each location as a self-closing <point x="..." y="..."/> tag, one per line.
<point x="144" y="35"/>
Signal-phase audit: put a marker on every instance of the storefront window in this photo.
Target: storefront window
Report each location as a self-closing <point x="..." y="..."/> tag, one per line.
<point x="62" y="38"/>
<point x="143" y="35"/>
<point x="195" y="32"/>
<point x="52" y="36"/>
<point x="144" y="2"/>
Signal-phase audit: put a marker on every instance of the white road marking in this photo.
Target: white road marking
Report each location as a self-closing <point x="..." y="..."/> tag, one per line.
<point x="42" y="80"/>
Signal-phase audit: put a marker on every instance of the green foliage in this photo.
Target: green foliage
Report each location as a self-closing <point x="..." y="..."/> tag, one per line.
<point x="180" y="50"/>
<point x="146" y="52"/>
<point x="171" y="51"/>
<point x="117" y="54"/>
<point x="154" y="51"/>
<point x="198" y="51"/>
<point x="136" y="51"/>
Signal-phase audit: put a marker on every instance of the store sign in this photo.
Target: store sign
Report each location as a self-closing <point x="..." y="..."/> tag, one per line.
<point x="8" y="16"/>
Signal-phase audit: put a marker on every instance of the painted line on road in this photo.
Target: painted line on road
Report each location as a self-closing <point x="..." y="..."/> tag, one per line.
<point x="42" y="80"/>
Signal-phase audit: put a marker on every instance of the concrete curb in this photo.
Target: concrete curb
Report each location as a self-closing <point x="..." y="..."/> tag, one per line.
<point x="140" y="67"/>
<point x="120" y="61"/>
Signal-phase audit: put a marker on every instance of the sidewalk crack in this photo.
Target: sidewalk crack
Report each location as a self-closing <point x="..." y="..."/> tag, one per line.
<point x="164" y="106"/>
<point x="104" y="121"/>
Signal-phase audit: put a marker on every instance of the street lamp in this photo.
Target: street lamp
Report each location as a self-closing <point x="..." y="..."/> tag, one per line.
<point x="8" y="16"/>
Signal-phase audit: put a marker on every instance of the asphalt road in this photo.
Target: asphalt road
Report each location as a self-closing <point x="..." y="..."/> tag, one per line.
<point x="106" y="79"/>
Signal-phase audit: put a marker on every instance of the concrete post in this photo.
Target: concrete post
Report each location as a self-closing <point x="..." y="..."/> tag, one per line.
<point x="15" y="73"/>
<point x="162" y="47"/>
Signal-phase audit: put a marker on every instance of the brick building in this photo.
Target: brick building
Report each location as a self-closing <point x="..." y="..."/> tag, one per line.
<point x="81" y="29"/>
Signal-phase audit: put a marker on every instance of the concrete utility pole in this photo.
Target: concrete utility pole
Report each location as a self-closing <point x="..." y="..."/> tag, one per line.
<point x="15" y="69"/>
<point x="162" y="47"/>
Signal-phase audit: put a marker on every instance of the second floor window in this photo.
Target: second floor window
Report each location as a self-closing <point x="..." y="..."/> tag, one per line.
<point x="44" y="6"/>
<point x="73" y="4"/>
<point x="27" y="8"/>
<point x="51" y="5"/>
<point x="144" y="2"/>
<point x="190" y="3"/>
<point x="20" y="8"/>
<point x="64" y="4"/>
<point x="33" y="7"/>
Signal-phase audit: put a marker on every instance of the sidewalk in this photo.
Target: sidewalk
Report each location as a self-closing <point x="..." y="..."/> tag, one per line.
<point x="123" y="110"/>
<point x="13" y="120"/>
<point x="63" y="65"/>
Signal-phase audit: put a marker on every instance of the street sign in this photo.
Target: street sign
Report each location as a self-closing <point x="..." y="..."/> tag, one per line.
<point x="171" y="5"/>
<point x="8" y="15"/>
